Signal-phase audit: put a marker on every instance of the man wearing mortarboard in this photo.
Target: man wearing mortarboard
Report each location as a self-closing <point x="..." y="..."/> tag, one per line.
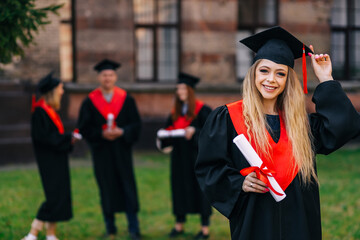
<point x="272" y="117"/>
<point x="110" y="123"/>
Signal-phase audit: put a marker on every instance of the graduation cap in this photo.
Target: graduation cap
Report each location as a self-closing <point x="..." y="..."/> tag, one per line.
<point x="106" y="64"/>
<point x="280" y="46"/>
<point x="47" y="83"/>
<point x="188" y="79"/>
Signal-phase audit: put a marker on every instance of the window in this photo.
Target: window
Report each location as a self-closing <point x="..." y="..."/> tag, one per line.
<point x="345" y="39"/>
<point x="157" y="40"/>
<point x="253" y="16"/>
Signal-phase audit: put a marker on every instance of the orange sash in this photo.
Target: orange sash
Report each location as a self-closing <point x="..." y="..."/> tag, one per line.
<point x="104" y="107"/>
<point x="55" y="118"/>
<point x="182" y="121"/>
<point x="281" y="159"/>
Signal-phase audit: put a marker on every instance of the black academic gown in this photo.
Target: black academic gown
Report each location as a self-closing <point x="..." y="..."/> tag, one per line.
<point x="186" y="194"/>
<point x="51" y="151"/>
<point x="258" y="216"/>
<point x="112" y="160"/>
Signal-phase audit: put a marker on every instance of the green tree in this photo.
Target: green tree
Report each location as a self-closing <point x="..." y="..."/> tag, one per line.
<point x="19" y="21"/>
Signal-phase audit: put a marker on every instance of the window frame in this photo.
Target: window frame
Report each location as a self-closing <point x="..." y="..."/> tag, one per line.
<point x="154" y="27"/>
<point x="255" y="24"/>
<point x="347" y="30"/>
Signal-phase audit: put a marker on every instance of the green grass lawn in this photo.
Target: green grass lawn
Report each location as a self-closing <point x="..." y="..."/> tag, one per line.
<point x="21" y="194"/>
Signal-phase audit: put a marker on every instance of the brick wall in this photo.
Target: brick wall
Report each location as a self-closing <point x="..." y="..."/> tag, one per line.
<point x="104" y="30"/>
<point x="208" y="31"/>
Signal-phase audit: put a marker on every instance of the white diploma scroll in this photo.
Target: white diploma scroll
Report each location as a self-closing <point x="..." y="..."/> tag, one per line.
<point x="162" y="133"/>
<point x="76" y="135"/>
<point x="254" y="160"/>
<point x="110" y="121"/>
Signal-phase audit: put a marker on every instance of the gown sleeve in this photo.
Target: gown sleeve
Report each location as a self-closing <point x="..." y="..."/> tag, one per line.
<point x="43" y="131"/>
<point x="201" y="117"/>
<point x="217" y="175"/>
<point x="132" y="127"/>
<point x="336" y="121"/>
<point x="86" y="123"/>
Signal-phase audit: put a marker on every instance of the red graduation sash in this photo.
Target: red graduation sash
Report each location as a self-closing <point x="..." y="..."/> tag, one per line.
<point x="281" y="159"/>
<point x="54" y="117"/>
<point x="183" y="121"/>
<point x="104" y="107"/>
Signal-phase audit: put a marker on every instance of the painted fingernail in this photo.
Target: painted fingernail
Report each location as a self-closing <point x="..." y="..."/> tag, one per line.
<point x="309" y="54"/>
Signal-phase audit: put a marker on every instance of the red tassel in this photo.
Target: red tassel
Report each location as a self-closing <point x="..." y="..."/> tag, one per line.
<point x="304" y="70"/>
<point x="33" y="101"/>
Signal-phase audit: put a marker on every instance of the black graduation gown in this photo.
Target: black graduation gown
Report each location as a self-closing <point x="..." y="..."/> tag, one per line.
<point x="112" y="160"/>
<point x="258" y="216"/>
<point x="186" y="194"/>
<point x="51" y="151"/>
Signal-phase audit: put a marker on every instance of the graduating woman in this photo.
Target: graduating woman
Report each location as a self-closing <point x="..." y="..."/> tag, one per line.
<point x="272" y="116"/>
<point x="189" y="114"/>
<point x="51" y="146"/>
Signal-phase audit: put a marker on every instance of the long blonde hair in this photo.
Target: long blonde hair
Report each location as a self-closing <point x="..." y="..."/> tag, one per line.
<point x="291" y="104"/>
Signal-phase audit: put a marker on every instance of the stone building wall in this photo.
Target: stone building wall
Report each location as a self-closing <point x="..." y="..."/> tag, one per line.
<point x="104" y="30"/>
<point x="309" y="21"/>
<point x="208" y="35"/>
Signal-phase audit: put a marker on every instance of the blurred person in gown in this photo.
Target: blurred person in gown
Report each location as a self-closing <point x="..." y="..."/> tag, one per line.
<point x="110" y="123"/>
<point x="189" y="114"/>
<point x="51" y="146"/>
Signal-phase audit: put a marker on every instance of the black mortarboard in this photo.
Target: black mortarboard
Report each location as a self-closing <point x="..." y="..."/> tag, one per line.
<point x="188" y="79"/>
<point x="278" y="45"/>
<point x="106" y="64"/>
<point x="47" y="83"/>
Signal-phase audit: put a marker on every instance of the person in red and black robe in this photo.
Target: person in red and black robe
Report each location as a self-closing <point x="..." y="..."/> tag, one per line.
<point x="110" y="123"/>
<point x="51" y="146"/>
<point x="189" y="114"/>
<point x="272" y="116"/>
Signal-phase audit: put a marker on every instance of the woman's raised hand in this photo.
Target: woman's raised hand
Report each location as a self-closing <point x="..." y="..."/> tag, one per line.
<point x="321" y="64"/>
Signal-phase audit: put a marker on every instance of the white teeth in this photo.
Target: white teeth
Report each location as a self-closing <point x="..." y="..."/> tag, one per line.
<point x="270" y="88"/>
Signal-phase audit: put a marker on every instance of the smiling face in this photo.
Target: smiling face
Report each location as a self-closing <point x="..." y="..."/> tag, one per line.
<point x="270" y="79"/>
<point x="182" y="92"/>
<point x="107" y="79"/>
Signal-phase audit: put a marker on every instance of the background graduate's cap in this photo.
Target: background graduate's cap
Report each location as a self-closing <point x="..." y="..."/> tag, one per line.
<point x="106" y="64"/>
<point x="188" y="79"/>
<point x="47" y="83"/>
<point x="280" y="46"/>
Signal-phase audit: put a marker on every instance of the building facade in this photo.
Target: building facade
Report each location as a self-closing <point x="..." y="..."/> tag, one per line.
<point x="155" y="39"/>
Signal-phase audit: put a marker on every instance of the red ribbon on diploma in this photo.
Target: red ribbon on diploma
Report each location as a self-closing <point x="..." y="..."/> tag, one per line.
<point x="261" y="173"/>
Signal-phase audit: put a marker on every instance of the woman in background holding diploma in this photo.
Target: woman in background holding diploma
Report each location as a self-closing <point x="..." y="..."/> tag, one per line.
<point x="273" y="117"/>
<point x="189" y="114"/>
<point x="51" y="146"/>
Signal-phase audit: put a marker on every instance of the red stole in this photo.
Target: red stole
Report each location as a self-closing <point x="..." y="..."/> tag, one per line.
<point x="281" y="158"/>
<point x="182" y="121"/>
<point x="55" y="118"/>
<point x="104" y="107"/>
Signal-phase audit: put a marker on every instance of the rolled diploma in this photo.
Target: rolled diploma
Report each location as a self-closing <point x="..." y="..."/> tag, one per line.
<point x="254" y="160"/>
<point x="162" y="133"/>
<point x="77" y="135"/>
